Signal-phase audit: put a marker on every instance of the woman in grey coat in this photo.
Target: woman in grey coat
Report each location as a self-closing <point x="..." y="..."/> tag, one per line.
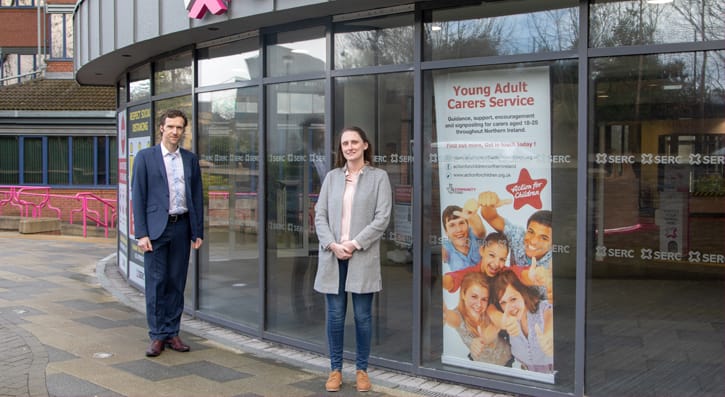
<point x="351" y="215"/>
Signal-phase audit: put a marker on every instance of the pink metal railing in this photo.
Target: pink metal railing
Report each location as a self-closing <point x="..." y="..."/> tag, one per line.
<point x="32" y="200"/>
<point x="106" y="221"/>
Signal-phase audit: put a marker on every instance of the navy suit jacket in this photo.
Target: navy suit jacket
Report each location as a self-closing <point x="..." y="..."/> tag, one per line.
<point x="150" y="193"/>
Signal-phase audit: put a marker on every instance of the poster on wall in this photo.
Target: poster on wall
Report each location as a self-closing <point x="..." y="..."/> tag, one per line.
<point x="122" y="210"/>
<point x="494" y="145"/>
<point x="140" y="129"/>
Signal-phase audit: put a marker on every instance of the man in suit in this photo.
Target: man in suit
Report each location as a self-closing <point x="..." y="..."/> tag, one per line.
<point x="168" y="212"/>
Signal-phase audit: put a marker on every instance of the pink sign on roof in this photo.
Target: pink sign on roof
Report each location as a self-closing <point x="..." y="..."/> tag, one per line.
<point x="198" y="8"/>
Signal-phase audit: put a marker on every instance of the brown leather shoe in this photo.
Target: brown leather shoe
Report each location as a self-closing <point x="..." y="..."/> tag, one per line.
<point x="175" y="343"/>
<point x="334" y="381"/>
<point x="155" y="348"/>
<point x="363" y="382"/>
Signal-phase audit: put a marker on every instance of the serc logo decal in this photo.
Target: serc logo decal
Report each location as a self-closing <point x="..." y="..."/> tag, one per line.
<point x="198" y="8"/>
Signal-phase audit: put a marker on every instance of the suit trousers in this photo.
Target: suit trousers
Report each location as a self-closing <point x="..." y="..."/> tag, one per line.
<point x="165" y="270"/>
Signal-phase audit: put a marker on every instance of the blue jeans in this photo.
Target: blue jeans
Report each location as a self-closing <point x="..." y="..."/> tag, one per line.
<point x="336" y="309"/>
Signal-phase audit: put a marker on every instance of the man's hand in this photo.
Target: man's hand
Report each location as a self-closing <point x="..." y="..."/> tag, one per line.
<point x="491" y="199"/>
<point x="543" y="276"/>
<point x="145" y="244"/>
<point x="196" y="244"/>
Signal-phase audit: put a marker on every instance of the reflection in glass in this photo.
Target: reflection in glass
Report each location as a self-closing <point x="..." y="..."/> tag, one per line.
<point x="228" y="154"/>
<point x="374" y="42"/>
<point x="229" y="63"/>
<point x="295" y="168"/>
<point x="139" y="83"/>
<point x="657" y="177"/>
<point x="182" y="103"/>
<point x="383" y="107"/>
<point x="173" y="74"/>
<point x="300" y="51"/>
<point x="500" y="29"/>
<point x="623" y="23"/>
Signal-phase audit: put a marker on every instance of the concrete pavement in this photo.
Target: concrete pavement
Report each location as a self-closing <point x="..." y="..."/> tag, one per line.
<point x="71" y="326"/>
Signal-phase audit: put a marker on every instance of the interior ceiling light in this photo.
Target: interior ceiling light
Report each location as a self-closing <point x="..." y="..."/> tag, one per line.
<point x="435" y="28"/>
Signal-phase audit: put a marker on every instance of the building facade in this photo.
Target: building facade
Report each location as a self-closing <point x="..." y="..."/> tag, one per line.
<point x="589" y="134"/>
<point x="53" y="131"/>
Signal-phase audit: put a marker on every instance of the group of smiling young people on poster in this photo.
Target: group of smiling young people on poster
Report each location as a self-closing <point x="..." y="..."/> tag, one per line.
<point x="503" y="280"/>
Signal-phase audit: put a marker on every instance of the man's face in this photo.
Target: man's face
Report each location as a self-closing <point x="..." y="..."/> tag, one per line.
<point x="537" y="240"/>
<point x="457" y="232"/>
<point x="493" y="258"/>
<point x="172" y="131"/>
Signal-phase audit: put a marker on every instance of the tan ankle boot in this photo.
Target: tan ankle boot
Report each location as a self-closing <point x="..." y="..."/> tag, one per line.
<point x="363" y="382"/>
<point x="334" y="381"/>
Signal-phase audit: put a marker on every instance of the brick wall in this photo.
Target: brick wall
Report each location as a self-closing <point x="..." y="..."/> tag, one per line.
<point x="19" y="27"/>
<point x="60" y="66"/>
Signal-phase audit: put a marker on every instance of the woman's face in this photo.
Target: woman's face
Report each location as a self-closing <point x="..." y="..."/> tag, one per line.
<point x="352" y="145"/>
<point x="475" y="299"/>
<point x="512" y="303"/>
<point x="493" y="258"/>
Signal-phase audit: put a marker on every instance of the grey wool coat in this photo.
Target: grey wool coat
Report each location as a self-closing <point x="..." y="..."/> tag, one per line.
<point x="371" y="208"/>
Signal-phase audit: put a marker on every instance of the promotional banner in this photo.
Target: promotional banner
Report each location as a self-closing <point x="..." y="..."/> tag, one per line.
<point x="122" y="198"/>
<point x="140" y="129"/>
<point x="494" y="146"/>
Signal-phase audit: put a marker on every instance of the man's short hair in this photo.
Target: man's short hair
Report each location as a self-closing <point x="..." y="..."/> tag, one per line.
<point x="172" y="114"/>
<point x="542" y="217"/>
<point x="449" y="213"/>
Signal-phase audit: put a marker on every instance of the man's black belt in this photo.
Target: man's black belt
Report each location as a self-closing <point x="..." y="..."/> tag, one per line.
<point x="177" y="217"/>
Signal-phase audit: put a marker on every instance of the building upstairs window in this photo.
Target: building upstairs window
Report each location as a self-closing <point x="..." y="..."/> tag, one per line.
<point x="17" y="3"/>
<point x="60" y="20"/>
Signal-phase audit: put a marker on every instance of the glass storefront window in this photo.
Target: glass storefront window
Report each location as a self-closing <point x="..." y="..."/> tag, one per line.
<point x="295" y="167"/>
<point x="639" y="22"/>
<point x="83" y="160"/>
<point x="173" y="74"/>
<point x="228" y="153"/>
<point x="58" y="160"/>
<point x="498" y="182"/>
<point x="500" y="28"/>
<point x="139" y="85"/>
<point x="229" y="63"/>
<point x="33" y="160"/>
<point x="9" y="174"/>
<point x="657" y="185"/>
<point x="374" y="42"/>
<point x="296" y="52"/>
<point x="382" y="106"/>
<point x="113" y="160"/>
